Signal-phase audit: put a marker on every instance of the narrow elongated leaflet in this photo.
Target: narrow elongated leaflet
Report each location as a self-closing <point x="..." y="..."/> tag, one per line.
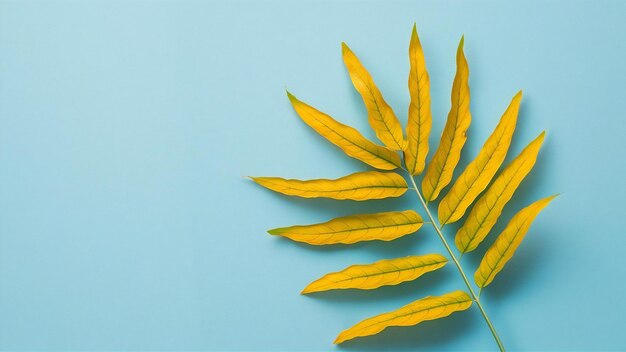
<point x="441" y="168"/>
<point x="358" y="186"/>
<point x="428" y="308"/>
<point x="477" y="175"/>
<point x="488" y="208"/>
<point x="382" y="273"/>
<point x="420" y="118"/>
<point x="355" y="228"/>
<point x="346" y="138"/>
<point x="507" y="243"/>
<point x="380" y="115"/>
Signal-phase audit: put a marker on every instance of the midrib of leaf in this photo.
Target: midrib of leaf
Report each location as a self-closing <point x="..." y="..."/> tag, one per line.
<point x="419" y="115"/>
<point x="336" y="190"/>
<point x="475" y="298"/>
<point x="364" y="228"/>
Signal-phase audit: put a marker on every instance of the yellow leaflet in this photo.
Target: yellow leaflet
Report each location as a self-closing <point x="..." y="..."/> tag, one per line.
<point x="488" y="208"/>
<point x="355" y="228"/>
<point x="428" y="308"/>
<point x="441" y="167"/>
<point x="420" y="118"/>
<point x="380" y="115"/>
<point x="504" y="247"/>
<point x="477" y="175"/>
<point x="346" y="137"/>
<point x="381" y="273"/>
<point x="357" y="186"/>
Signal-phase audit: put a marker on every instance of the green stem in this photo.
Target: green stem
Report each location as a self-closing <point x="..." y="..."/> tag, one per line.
<point x="475" y="298"/>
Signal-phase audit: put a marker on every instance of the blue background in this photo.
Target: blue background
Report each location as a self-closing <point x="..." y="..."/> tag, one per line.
<point x="126" y="128"/>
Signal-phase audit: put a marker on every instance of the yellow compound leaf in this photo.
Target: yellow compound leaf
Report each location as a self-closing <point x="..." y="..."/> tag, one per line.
<point x="488" y="208"/>
<point x="477" y="175"/>
<point x="428" y="308"/>
<point x="507" y="243"/>
<point x="358" y="186"/>
<point x="420" y="117"/>
<point x="441" y="168"/>
<point x="346" y="137"/>
<point x="355" y="228"/>
<point x="380" y="115"/>
<point x="382" y="273"/>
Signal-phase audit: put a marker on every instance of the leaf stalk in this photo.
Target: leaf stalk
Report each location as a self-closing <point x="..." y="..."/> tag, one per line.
<point x="475" y="298"/>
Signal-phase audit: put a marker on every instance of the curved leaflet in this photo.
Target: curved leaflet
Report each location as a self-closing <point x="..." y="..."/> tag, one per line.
<point x="428" y="308"/>
<point x="345" y="137"/>
<point x="420" y="117"/>
<point x="380" y="115"/>
<point x="358" y="186"/>
<point x="355" y="228"/>
<point x="382" y="273"/>
<point x="441" y="168"/>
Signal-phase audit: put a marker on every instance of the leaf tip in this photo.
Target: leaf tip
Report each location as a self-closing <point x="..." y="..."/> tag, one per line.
<point x="441" y="258"/>
<point x="460" y="54"/>
<point x="517" y="98"/>
<point x="542" y="135"/>
<point x="415" y="39"/>
<point x="255" y="179"/>
<point x="274" y="232"/>
<point x="291" y="97"/>
<point x="339" y="339"/>
<point x="345" y="49"/>
<point x="538" y="140"/>
<point x="550" y="198"/>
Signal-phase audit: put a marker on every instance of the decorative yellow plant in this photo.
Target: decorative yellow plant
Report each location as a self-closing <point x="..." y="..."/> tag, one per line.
<point x="473" y="188"/>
